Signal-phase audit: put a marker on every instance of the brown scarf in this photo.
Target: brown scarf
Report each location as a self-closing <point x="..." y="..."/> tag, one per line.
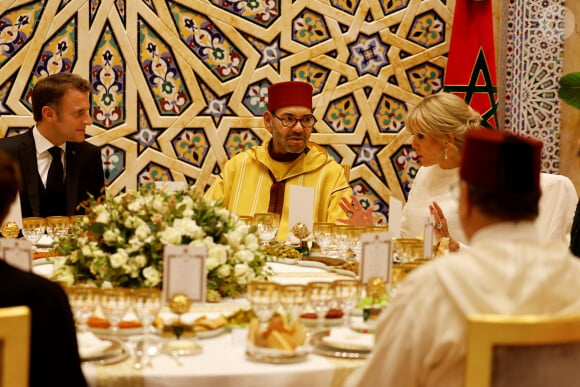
<point x="278" y="188"/>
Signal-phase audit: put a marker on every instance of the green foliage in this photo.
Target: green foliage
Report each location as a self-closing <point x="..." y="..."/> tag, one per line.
<point x="569" y="91"/>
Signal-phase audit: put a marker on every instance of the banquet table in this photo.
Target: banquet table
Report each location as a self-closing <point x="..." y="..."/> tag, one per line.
<point x="222" y="361"/>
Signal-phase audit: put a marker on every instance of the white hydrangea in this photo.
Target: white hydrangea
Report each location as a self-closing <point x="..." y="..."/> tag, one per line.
<point x="252" y="241"/>
<point x="102" y="215"/>
<point x="235" y="238"/>
<point x="64" y="274"/>
<point x="211" y="263"/>
<point x="136" y="204"/>
<point x="110" y="236"/>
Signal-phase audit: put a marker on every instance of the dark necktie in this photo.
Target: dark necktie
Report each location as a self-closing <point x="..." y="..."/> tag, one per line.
<point x="55" y="183"/>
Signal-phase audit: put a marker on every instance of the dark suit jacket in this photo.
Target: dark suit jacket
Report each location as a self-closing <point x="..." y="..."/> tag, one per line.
<point x="84" y="172"/>
<point x="54" y="357"/>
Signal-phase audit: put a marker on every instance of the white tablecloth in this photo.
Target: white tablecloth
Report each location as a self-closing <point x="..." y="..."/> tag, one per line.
<point x="223" y="362"/>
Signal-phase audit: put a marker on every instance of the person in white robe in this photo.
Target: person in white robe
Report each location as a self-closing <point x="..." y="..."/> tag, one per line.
<point x="508" y="270"/>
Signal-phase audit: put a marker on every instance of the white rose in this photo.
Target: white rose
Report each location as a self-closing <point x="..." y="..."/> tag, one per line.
<point x="244" y="256"/>
<point x="219" y="253"/>
<point x="234" y="238"/>
<point x="152" y="276"/>
<point x="159" y="204"/>
<point x="110" y="237"/>
<point x="171" y="236"/>
<point x="87" y="251"/>
<point x="140" y="260"/>
<point x="243" y="273"/>
<point x="186" y="202"/>
<point x="224" y="271"/>
<point x="188" y="213"/>
<point x="189" y="227"/>
<point x="118" y="259"/>
<point x="143" y="232"/>
<point x="135" y="205"/>
<point x="252" y="241"/>
<point x="211" y="263"/>
<point x="103" y="217"/>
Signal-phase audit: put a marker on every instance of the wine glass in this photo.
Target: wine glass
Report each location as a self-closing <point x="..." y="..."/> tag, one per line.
<point x="57" y="226"/>
<point x="146" y="304"/>
<point x="83" y="301"/>
<point x="115" y="303"/>
<point x="320" y="296"/>
<point x="292" y="299"/>
<point x="267" y="223"/>
<point x="33" y="228"/>
<point x="263" y="297"/>
<point x="324" y="235"/>
<point x="347" y="294"/>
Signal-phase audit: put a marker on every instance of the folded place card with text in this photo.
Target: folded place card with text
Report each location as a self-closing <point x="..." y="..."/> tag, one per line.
<point x="376" y="256"/>
<point x="17" y="252"/>
<point x="301" y="207"/>
<point x="184" y="272"/>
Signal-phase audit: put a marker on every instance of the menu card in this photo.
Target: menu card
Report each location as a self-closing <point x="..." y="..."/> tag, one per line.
<point x="184" y="272"/>
<point x="376" y="256"/>
<point x="301" y="208"/>
<point x="17" y="252"/>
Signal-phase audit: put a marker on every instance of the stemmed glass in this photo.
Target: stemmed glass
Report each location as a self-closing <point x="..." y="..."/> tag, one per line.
<point x="115" y="303"/>
<point x="268" y="224"/>
<point x="33" y="228"/>
<point x="57" y="226"/>
<point x="324" y="236"/>
<point x="83" y="301"/>
<point x="292" y="299"/>
<point x="347" y="294"/>
<point x="146" y="304"/>
<point x="320" y="296"/>
<point x="264" y="298"/>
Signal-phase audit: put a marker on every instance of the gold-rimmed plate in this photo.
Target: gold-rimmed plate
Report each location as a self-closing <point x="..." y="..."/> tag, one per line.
<point x="324" y="348"/>
<point x="115" y="353"/>
<point x="274" y="356"/>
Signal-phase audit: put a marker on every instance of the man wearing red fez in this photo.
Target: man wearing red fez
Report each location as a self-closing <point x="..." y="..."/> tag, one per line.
<point x="258" y="180"/>
<point x="506" y="270"/>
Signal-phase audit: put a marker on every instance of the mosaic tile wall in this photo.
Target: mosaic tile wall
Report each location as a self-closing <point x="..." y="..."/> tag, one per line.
<point x="179" y="86"/>
<point x="534" y="51"/>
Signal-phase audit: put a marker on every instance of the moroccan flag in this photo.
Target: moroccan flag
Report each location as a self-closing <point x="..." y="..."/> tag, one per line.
<point x="470" y="72"/>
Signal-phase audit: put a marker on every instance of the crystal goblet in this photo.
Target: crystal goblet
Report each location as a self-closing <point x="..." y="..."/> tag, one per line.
<point x="320" y="296"/>
<point x="347" y="294"/>
<point x="267" y="224"/>
<point x="115" y="303"/>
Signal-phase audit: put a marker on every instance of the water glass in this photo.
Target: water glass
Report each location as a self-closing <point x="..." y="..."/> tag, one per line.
<point x="267" y="224"/>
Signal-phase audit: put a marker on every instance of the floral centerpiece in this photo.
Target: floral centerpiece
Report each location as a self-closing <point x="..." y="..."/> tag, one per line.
<point x="120" y="241"/>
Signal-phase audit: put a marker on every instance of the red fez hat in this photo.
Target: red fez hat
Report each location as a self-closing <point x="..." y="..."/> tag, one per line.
<point x="289" y="94"/>
<point x="500" y="159"/>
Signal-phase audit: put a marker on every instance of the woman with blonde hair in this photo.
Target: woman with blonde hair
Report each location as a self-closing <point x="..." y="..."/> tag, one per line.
<point x="438" y="125"/>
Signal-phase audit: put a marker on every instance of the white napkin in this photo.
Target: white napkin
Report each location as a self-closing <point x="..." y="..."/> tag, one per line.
<point x="90" y="345"/>
<point x="45" y="240"/>
<point x="346" y="338"/>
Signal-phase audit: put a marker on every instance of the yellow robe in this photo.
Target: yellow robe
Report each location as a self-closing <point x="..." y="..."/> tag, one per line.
<point x="244" y="185"/>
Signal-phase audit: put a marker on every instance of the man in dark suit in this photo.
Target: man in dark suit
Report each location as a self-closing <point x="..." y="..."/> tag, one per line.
<point x="58" y="167"/>
<point x="54" y="357"/>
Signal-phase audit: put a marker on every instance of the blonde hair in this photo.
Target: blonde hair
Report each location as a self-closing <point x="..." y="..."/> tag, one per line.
<point x="441" y="114"/>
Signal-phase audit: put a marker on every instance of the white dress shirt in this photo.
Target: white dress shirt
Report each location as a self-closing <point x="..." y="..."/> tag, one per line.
<point x="43" y="156"/>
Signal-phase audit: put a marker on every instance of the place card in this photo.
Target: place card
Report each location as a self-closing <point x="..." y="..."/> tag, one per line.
<point x="17" y="252"/>
<point x="376" y="256"/>
<point x="395" y="215"/>
<point x="301" y="208"/>
<point x="171" y="185"/>
<point x="184" y="272"/>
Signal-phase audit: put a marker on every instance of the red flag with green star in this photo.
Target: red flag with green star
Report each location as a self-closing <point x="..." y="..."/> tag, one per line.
<point x="470" y="71"/>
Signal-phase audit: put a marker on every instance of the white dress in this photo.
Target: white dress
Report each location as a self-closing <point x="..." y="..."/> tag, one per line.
<point x="420" y="339"/>
<point x="433" y="184"/>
